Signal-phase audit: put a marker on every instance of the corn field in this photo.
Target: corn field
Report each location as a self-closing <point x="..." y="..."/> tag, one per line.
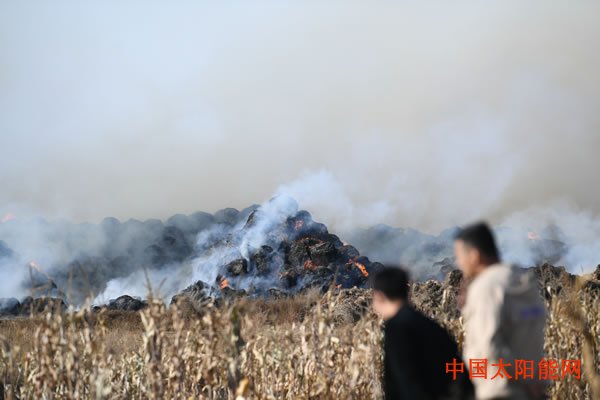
<point x="308" y="347"/>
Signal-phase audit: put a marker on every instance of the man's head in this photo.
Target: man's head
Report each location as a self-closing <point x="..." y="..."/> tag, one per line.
<point x="475" y="249"/>
<point x="390" y="291"/>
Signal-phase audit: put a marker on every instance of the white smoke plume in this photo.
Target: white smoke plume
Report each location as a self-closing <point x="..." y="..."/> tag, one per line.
<point x="578" y="230"/>
<point x="400" y="113"/>
<point x="446" y="114"/>
<point x="217" y="246"/>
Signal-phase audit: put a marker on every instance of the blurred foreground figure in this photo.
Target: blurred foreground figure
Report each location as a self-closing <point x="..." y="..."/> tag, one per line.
<point x="416" y="349"/>
<point x="504" y="319"/>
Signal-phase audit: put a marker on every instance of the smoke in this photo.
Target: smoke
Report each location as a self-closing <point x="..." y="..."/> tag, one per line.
<point x="387" y="112"/>
<point x="579" y="231"/>
<point x="138" y="258"/>
<point x="215" y="247"/>
<point x="443" y="114"/>
<point x="321" y="192"/>
<point x="78" y="258"/>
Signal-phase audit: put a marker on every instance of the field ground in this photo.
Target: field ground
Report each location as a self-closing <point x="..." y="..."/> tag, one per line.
<point x="306" y="347"/>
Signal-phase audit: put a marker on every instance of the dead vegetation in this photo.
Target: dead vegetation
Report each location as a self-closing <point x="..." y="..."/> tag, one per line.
<point x="305" y="347"/>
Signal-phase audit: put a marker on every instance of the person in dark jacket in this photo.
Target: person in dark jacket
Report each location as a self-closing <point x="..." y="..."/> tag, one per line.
<point x="416" y="349"/>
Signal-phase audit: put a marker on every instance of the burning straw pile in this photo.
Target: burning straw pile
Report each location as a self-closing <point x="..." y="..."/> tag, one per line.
<point x="262" y="251"/>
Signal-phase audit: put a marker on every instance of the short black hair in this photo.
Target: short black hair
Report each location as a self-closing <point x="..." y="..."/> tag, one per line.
<point x="481" y="237"/>
<point x="392" y="281"/>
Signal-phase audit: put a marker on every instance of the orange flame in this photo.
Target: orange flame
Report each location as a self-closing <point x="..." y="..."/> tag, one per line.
<point x="7" y="217"/>
<point x="363" y="269"/>
<point x="532" y="236"/>
<point x="360" y="266"/>
<point x="309" y="264"/>
<point x="224" y="283"/>
<point x="34" y="265"/>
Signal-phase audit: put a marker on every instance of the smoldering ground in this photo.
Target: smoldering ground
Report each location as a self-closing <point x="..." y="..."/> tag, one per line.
<point x="408" y="114"/>
<point x="446" y="113"/>
<point x="266" y="250"/>
<point x="135" y="257"/>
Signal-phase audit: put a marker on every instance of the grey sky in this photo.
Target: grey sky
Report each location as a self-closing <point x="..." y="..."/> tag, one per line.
<point x="401" y="112"/>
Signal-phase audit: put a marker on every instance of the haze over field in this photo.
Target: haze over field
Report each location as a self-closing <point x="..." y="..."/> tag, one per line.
<point x="441" y="113"/>
<point x="410" y="114"/>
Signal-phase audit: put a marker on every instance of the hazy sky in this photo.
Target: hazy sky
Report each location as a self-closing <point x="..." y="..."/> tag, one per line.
<point x="420" y="114"/>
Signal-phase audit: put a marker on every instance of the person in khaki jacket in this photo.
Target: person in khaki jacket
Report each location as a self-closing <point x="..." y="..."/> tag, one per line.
<point x="504" y="319"/>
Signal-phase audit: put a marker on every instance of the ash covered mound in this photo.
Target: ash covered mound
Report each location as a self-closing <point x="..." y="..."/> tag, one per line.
<point x="277" y="251"/>
<point x="271" y="251"/>
<point x="265" y="251"/>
